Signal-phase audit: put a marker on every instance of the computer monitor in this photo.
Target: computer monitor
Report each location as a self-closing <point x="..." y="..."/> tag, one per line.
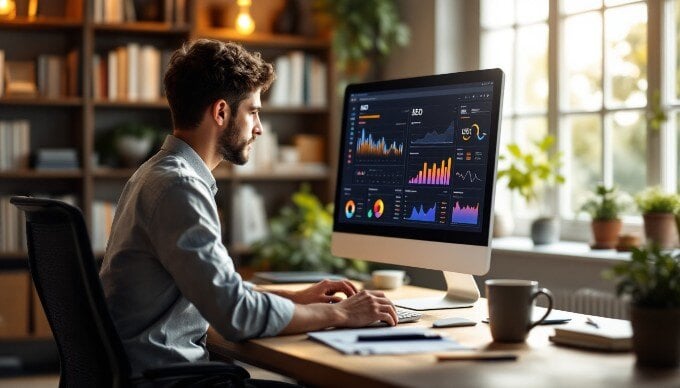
<point x="416" y="174"/>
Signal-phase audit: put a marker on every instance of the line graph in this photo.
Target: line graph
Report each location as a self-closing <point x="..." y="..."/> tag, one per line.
<point x="468" y="176"/>
<point x="465" y="214"/>
<point x="434" y="137"/>
<point x="367" y="146"/>
<point x="421" y="214"/>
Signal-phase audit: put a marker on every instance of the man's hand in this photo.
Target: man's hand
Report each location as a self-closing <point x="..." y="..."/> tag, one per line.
<point x="324" y="292"/>
<point x="367" y="307"/>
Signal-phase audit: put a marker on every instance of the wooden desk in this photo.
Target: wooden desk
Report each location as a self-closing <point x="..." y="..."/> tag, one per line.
<point x="540" y="363"/>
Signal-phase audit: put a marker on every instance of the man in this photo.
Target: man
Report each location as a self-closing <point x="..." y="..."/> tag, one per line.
<point x="166" y="273"/>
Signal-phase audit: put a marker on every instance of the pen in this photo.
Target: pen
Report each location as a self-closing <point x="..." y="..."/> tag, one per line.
<point x="589" y="321"/>
<point x="477" y="356"/>
<point x="398" y="337"/>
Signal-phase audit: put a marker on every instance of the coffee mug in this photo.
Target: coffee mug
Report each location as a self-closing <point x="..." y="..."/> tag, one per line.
<point x="389" y="279"/>
<point x="511" y="304"/>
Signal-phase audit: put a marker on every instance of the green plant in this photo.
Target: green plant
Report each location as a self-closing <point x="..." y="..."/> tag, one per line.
<point x="139" y="131"/>
<point x="299" y="239"/>
<point x="654" y="200"/>
<point x="364" y="29"/>
<point x="529" y="172"/>
<point x="651" y="278"/>
<point x="656" y="116"/>
<point x="606" y="204"/>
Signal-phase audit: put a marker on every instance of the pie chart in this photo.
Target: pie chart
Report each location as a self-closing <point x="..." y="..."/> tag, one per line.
<point x="378" y="208"/>
<point x="350" y="208"/>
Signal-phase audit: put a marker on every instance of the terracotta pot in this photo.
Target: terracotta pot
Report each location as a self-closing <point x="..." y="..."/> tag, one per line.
<point x="606" y="233"/>
<point x="656" y="336"/>
<point x="660" y="228"/>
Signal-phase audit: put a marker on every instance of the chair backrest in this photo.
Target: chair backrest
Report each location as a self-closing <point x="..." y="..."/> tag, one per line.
<point x="65" y="275"/>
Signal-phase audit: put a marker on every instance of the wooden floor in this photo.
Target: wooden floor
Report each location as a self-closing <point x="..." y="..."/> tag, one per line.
<point x="52" y="381"/>
<point x="43" y="381"/>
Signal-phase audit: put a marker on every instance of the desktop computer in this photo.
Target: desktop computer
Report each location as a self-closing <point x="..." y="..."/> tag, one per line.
<point x="416" y="177"/>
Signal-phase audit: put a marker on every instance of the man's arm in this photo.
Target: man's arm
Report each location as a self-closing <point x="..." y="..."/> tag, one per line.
<point x="359" y="310"/>
<point x="321" y="292"/>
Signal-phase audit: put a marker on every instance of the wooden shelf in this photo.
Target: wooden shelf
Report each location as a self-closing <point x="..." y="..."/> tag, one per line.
<point x="294" y="109"/>
<point x="13" y="255"/>
<point x="41" y="101"/>
<point x="151" y="28"/>
<point x="41" y="24"/>
<point x="266" y="40"/>
<point x="128" y="104"/>
<point x="41" y="174"/>
<point x="113" y="173"/>
<point x="282" y="175"/>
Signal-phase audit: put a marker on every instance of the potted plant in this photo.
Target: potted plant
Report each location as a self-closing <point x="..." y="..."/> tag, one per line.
<point x="530" y="173"/>
<point x="133" y="142"/>
<point x="299" y="239"/>
<point x="658" y="211"/>
<point x="364" y="33"/>
<point x="604" y="208"/>
<point x="652" y="281"/>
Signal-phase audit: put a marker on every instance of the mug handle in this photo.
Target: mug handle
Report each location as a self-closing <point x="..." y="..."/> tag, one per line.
<point x="548" y="294"/>
<point x="407" y="279"/>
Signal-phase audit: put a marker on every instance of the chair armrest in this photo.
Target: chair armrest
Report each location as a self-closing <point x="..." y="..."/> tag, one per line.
<point x="196" y="369"/>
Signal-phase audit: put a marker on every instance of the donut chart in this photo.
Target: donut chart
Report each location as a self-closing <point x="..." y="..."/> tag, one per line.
<point x="378" y="208"/>
<point x="350" y="208"/>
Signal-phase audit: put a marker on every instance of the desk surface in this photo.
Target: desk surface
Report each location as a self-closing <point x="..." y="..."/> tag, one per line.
<point x="540" y="363"/>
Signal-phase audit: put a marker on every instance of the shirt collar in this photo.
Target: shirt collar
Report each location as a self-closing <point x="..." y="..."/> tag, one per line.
<point x="174" y="145"/>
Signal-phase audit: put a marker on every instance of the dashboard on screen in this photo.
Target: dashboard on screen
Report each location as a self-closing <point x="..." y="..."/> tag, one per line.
<point x="418" y="158"/>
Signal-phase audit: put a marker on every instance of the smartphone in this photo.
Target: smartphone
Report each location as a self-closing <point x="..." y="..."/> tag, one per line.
<point x="453" y="322"/>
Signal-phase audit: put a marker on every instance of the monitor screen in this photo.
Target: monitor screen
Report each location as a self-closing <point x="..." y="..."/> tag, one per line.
<point x="418" y="160"/>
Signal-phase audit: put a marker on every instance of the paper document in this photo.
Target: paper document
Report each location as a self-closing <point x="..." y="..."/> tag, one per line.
<point x="345" y="341"/>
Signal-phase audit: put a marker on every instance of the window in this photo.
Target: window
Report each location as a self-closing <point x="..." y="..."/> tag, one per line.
<point x="596" y="56"/>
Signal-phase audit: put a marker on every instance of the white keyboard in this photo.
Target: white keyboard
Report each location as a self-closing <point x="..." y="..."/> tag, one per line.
<point x="404" y="315"/>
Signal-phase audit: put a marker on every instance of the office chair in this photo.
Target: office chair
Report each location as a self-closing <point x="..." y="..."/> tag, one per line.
<point x="91" y="353"/>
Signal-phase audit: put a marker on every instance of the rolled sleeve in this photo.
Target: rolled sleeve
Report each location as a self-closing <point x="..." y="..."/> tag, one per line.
<point x="189" y="245"/>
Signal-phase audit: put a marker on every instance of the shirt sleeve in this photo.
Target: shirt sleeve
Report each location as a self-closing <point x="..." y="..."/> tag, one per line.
<point x="185" y="232"/>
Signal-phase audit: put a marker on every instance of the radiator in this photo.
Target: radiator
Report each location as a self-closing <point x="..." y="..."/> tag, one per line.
<point x="590" y="302"/>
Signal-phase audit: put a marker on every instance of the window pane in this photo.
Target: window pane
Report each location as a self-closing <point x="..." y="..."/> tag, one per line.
<point x="574" y="6"/>
<point x="677" y="157"/>
<point x="626" y="36"/>
<point x="497" y="13"/>
<point x="629" y="139"/>
<point x="532" y="68"/>
<point x="526" y="131"/>
<point x="676" y="17"/>
<point x="617" y="2"/>
<point x="583" y="58"/>
<point x="585" y="157"/>
<point x="529" y="11"/>
<point x="497" y="52"/>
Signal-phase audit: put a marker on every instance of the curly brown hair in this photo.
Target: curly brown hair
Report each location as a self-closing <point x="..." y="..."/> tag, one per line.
<point x="206" y="70"/>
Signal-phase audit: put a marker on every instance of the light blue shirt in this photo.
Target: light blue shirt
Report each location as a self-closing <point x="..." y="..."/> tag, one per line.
<point x="166" y="274"/>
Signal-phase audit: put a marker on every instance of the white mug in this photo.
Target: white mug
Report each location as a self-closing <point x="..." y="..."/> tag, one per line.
<point x="389" y="279"/>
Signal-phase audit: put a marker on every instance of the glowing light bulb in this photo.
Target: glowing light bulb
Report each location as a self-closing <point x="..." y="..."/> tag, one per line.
<point x="7" y="9"/>
<point x="245" y="24"/>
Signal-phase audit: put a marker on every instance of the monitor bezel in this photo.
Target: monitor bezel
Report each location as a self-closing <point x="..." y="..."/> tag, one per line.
<point x="479" y="238"/>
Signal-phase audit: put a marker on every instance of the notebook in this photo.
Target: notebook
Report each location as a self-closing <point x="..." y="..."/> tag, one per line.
<point x="600" y="333"/>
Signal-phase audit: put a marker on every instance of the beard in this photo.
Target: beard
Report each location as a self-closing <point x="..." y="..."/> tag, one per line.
<point x="231" y="147"/>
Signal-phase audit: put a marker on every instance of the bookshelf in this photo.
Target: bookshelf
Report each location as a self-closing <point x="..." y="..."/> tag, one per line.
<point x="79" y="120"/>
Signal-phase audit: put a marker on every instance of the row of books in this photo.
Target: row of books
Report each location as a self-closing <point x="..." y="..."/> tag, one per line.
<point x="13" y="231"/>
<point x="249" y="218"/>
<point x="119" y="11"/>
<point x="301" y="81"/>
<point x="51" y="76"/>
<point x="13" y="224"/>
<point x="102" y="219"/>
<point x="15" y="144"/>
<point x="132" y="72"/>
<point x="56" y="159"/>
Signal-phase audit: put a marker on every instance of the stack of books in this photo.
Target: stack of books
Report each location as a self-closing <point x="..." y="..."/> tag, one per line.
<point x="56" y="159"/>
<point x="596" y="333"/>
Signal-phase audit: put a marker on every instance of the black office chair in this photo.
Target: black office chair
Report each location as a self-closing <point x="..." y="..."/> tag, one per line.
<point x="91" y="353"/>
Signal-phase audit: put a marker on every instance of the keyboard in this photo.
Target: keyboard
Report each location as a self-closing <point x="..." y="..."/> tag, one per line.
<point x="404" y="315"/>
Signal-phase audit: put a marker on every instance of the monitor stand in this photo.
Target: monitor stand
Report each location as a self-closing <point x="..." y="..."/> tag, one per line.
<point x="462" y="291"/>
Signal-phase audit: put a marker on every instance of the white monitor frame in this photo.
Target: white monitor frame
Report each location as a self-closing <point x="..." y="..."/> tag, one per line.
<point x="457" y="255"/>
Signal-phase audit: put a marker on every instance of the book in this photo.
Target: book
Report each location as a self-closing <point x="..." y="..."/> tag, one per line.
<point x="20" y="77"/>
<point x="2" y="72"/>
<point x="597" y="333"/>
